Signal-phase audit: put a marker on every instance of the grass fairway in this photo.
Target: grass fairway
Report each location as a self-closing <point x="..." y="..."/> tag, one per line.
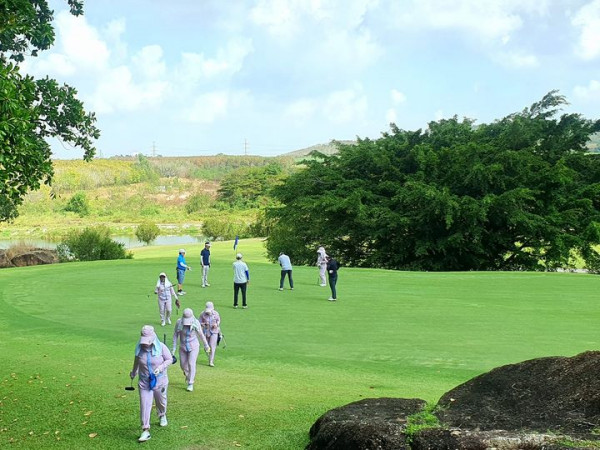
<point x="68" y="333"/>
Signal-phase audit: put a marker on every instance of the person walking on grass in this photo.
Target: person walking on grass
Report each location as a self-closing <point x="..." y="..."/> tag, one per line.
<point x="241" y="280"/>
<point x="211" y="327"/>
<point x="152" y="359"/>
<point x="165" y="292"/>
<point x="205" y="261"/>
<point x="286" y="269"/>
<point x="332" y="270"/>
<point x="189" y="333"/>
<point x="182" y="267"/>
<point x="322" y="265"/>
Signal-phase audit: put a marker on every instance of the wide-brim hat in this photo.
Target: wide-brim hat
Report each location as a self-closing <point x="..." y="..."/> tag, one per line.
<point x="188" y="316"/>
<point x="147" y="335"/>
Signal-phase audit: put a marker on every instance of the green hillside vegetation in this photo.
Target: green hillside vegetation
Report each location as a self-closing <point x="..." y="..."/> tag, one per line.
<point x="178" y="193"/>
<point x="68" y="340"/>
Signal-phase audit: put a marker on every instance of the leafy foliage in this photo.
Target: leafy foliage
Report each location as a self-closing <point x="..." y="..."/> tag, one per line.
<point x="78" y="204"/>
<point x="519" y="193"/>
<point x="33" y="110"/>
<point x="249" y="187"/>
<point x="224" y="228"/>
<point x="146" y="232"/>
<point x="91" y="244"/>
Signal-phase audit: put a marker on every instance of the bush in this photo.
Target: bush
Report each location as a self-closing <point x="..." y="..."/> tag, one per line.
<point x="78" y="204"/>
<point x="223" y="228"/>
<point x="91" y="244"/>
<point x="146" y="232"/>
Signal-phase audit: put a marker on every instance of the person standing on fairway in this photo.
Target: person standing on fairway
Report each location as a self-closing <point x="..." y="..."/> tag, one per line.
<point x="164" y="290"/>
<point x="322" y="265"/>
<point x="182" y="267"/>
<point x="241" y="279"/>
<point x="211" y="327"/>
<point x="188" y="330"/>
<point x="205" y="260"/>
<point x="286" y="269"/>
<point x="152" y="359"/>
<point x="332" y="270"/>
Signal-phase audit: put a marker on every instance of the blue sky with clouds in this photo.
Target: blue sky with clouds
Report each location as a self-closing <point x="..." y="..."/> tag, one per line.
<point x="201" y="77"/>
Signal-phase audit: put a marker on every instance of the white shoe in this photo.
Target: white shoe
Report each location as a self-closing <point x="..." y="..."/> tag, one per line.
<point x="180" y="292"/>
<point x="169" y="321"/>
<point x="322" y="285"/>
<point x="190" y="387"/>
<point x="331" y="299"/>
<point x="203" y="285"/>
<point x="244" y="307"/>
<point x="145" y="436"/>
<point x="207" y="285"/>
<point x="281" y="289"/>
<point x="163" y="421"/>
<point x="162" y="324"/>
<point x="211" y="364"/>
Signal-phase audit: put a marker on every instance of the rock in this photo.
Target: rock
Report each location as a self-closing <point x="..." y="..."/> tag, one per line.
<point x="30" y="257"/>
<point x="556" y="393"/>
<point x="374" y="423"/>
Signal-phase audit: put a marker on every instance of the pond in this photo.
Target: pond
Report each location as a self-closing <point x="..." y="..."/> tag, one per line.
<point x="129" y="241"/>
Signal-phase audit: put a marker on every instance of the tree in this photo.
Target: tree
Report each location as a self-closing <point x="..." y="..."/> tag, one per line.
<point x="146" y="232"/>
<point x="249" y="187"/>
<point x="519" y="193"/>
<point x="33" y="110"/>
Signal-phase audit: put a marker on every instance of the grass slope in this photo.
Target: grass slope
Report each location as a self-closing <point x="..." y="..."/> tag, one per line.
<point x="68" y="333"/>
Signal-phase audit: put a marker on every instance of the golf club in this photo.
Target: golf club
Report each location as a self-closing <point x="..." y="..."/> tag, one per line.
<point x="130" y="387"/>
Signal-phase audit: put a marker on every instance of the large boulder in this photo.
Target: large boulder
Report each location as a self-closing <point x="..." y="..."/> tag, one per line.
<point x="556" y="393"/>
<point x="374" y="423"/>
<point x="27" y="257"/>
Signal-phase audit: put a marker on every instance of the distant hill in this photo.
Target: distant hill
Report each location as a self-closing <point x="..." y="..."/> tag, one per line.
<point x="327" y="149"/>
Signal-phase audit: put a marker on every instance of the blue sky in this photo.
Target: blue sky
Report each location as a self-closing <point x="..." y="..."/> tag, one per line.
<point x="201" y="77"/>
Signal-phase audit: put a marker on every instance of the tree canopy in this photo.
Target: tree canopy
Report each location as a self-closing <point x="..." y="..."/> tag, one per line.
<point x="520" y="193"/>
<point x="33" y="110"/>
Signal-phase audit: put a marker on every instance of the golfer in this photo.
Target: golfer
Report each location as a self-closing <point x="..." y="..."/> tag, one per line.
<point x="164" y="290"/>
<point x="188" y="331"/>
<point x="205" y="260"/>
<point x="322" y="265"/>
<point x="152" y="358"/>
<point x="332" y="270"/>
<point x="182" y="267"/>
<point x="286" y="269"/>
<point x="211" y="327"/>
<point x="241" y="279"/>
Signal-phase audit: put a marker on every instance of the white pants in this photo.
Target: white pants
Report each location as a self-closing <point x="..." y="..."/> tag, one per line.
<point x="322" y="271"/>
<point x="187" y="361"/>
<point x="160" y="397"/>
<point x="205" y="275"/>
<point x="164" y="309"/>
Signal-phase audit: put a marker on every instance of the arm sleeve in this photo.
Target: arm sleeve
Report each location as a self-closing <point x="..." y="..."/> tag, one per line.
<point x="247" y="275"/>
<point x="167" y="358"/>
<point x="175" y="335"/>
<point x="134" y="370"/>
<point x="202" y="338"/>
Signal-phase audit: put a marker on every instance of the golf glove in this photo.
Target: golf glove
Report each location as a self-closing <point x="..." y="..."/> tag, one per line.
<point x="156" y="371"/>
<point x="173" y="351"/>
<point x="207" y="349"/>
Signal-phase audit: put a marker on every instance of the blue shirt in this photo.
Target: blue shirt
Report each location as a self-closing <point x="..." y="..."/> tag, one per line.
<point x="181" y="265"/>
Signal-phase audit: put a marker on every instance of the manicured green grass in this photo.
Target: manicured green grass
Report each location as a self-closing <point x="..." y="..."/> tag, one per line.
<point x="68" y="333"/>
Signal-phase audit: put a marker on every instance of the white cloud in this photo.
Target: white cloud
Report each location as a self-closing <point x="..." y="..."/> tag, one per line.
<point x="588" y="20"/>
<point x="589" y="93"/>
<point x="517" y="60"/>
<point x="301" y="110"/>
<point x="345" y="106"/>
<point x="208" y="107"/>
<point x="149" y="62"/>
<point x="391" y="116"/>
<point x="397" y="97"/>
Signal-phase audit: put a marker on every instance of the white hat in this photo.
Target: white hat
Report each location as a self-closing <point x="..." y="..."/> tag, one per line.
<point x="182" y="250"/>
<point x="148" y="336"/>
<point x="207" y="243"/>
<point x="238" y="256"/>
<point x="162" y="274"/>
<point x="188" y="316"/>
<point x="209" y="307"/>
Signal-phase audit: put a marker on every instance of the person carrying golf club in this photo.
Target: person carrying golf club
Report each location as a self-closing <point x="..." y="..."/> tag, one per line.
<point x="188" y="331"/>
<point x="211" y="327"/>
<point x="152" y="359"/>
<point x="164" y="290"/>
<point x="286" y="269"/>
<point x="322" y="265"/>
<point x="182" y="267"/>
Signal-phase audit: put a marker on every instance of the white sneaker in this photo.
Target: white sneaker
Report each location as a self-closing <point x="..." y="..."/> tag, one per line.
<point x="162" y="324"/>
<point x="145" y="436"/>
<point x="244" y="307"/>
<point x="180" y="292"/>
<point x="169" y="321"/>
<point x="322" y="285"/>
<point x="281" y="289"/>
<point x="163" y="421"/>
<point x="207" y="285"/>
<point x="203" y="285"/>
<point x="190" y="387"/>
<point x="211" y="364"/>
<point x="331" y="299"/>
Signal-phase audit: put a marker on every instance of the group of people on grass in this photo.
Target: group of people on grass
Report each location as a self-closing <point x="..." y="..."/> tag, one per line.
<point x="152" y="357"/>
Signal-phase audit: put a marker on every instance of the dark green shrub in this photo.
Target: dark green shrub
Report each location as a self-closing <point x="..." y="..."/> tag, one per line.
<point x="78" y="204"/>
<point x="197" y="203"/>
<point x="91" y="244"/>
<point x="223" y="228"/>
<point x="146" y="232"/>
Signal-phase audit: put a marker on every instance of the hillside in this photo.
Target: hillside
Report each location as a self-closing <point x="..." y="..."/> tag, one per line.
<point x="328" y="149"/>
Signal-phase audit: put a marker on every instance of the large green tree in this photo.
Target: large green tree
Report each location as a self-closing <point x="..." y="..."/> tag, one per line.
<point x="517" y="194"/>
<point x="33" y="110"/>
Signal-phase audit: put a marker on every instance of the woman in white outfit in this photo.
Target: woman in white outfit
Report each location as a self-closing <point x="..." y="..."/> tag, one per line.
<point x="189" y="333"/>
<point x="164" y="290"/>
<point x="211" y="326"/>
<point x="322" y="265"/>
<point x="152" y="358"/>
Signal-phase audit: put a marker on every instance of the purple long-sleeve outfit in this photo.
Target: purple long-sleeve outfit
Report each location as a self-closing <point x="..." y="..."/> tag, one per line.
<point x="211" y="327"/>
<point x="165" y="292"/>
<point x="147" y="360"/>
<point x="322" y="264"/>
<point x="189" y="347"/>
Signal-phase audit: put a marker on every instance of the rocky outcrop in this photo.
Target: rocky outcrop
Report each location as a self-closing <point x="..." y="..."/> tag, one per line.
<point x="31" y="257"/>
<point x="546" y="403"/>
